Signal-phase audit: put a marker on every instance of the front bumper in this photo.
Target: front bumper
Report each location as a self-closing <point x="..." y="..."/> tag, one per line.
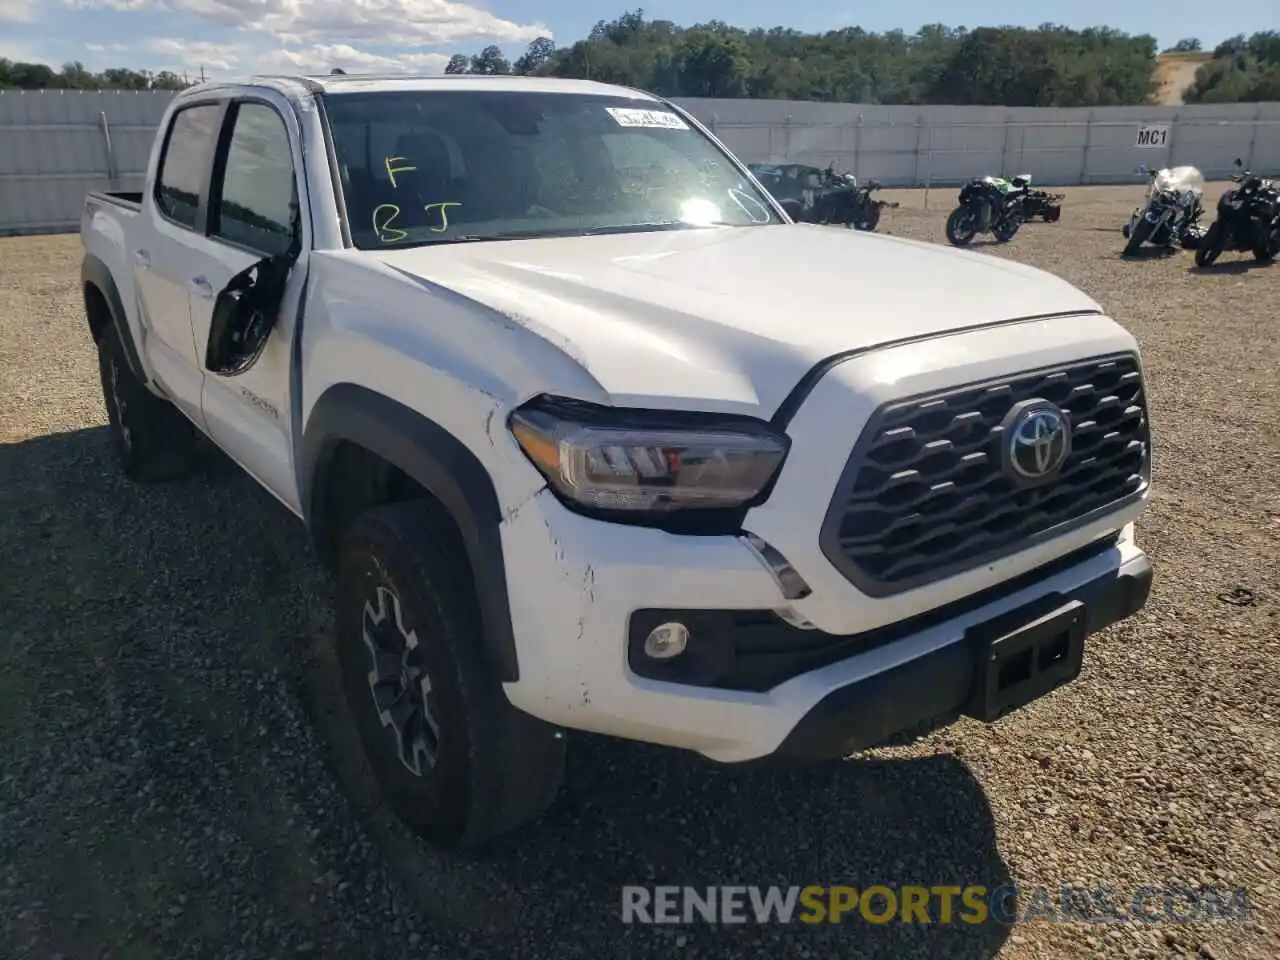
<point x="942" y="683"/>
<point x="583" y="582"/>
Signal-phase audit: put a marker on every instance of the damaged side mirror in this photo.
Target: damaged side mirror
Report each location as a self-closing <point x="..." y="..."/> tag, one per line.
<point x="244" y="314"/>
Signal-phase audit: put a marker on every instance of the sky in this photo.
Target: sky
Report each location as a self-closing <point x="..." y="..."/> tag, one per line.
<point x="230" y="37"/>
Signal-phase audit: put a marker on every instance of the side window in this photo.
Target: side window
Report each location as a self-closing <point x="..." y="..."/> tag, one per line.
<point x="185" y="159"/>
<point x="255" y="203"/>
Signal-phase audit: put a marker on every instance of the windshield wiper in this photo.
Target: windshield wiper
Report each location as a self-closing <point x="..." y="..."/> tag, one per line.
<point x="437" y="241"/>
<point x="652" y="226"/>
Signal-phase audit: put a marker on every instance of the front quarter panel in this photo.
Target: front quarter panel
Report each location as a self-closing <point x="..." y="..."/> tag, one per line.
<point x="462" y="366"/>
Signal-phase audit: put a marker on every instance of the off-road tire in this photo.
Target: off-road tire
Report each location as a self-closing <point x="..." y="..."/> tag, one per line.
<point x="152" y="439"/>
<point x="495" y="767"/>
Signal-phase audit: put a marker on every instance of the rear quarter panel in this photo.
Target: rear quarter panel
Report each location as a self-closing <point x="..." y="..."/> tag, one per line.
<point x="108" y="231"/>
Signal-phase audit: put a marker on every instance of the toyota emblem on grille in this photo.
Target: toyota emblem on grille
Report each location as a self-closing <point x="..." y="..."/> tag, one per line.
<point x="1037" y="441"/>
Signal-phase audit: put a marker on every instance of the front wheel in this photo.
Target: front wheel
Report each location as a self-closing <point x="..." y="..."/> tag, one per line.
<point x="1211" y="245"/>
<point x="866" y="218"/>
<point x="960" y="227"/>
<point x="1139" y="235"/>
<point x="455" y="761"/>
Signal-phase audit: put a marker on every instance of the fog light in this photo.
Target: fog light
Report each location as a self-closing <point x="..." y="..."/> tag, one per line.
<point x="666" y="641"/>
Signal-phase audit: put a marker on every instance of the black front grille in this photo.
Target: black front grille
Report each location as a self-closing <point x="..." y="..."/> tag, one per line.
<point x="925" y="495"/>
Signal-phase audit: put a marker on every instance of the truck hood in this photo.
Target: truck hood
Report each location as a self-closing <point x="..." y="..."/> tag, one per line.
<point x="731" y="318"/>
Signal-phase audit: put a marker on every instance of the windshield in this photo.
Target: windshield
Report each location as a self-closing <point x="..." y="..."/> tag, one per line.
<point x="446" y="166"/>
<point x="1179" y="179"/>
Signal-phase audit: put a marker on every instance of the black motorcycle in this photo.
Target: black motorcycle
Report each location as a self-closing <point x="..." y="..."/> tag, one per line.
<point x="1248" y="219"/>
<point x="985" y="208"/>
<point x="1038" y="203"/>
<point x="847" y="201"/>
<point x="1171" y="213"/>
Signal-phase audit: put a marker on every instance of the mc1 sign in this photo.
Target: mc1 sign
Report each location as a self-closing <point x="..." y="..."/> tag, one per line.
<point x="1153" y="135"/>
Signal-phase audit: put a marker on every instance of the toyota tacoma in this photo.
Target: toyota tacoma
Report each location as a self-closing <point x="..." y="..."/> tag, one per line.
<point x="592" y="438"/>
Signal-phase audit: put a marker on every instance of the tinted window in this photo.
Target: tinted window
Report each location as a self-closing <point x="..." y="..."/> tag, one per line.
<point x="424" y="167"/>
<point x="255" y="203"/>
<point x="186" y="157"/>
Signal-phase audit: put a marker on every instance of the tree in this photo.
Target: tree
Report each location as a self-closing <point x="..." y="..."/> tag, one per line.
<point x="74" y="76"/>
<point x="1243" y="70"/>
<point x="1050" y="65"/>
<point x="1189" y="45"/>
<point x="711" y="63"/>
<point x="1231" y="47"/>
<point x="490" y="61"/>
<point x="536" y="57"/>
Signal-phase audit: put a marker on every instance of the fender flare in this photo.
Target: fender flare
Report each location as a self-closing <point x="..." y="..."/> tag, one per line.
<point x="95" y="273"/>
<point x="441" y="465"/>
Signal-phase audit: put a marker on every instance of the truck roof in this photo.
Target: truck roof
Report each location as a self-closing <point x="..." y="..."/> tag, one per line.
<point x="375" y="83"/>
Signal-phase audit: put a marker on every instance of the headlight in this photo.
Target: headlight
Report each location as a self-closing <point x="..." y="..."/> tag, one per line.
<point x="647" y="462"/>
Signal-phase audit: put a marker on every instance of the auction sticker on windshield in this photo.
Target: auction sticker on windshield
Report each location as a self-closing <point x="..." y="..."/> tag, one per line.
<point x="633" y="117"/>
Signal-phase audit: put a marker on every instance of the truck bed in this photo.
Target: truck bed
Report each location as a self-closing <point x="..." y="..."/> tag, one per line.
<point x="120" y="198"/>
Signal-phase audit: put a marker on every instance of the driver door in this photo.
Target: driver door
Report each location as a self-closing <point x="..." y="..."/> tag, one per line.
<point x="255" y="190"/>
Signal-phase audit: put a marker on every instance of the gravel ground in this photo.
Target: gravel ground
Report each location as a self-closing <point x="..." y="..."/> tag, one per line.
<point x="176" y="774"/>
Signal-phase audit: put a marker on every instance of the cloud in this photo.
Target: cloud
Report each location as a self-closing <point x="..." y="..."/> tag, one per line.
<point x="194" y="54"/>
<point x="220" y="59"/>
<point x="321" y="58"/>
<point x="15" y="10"/>
<point x="397" y="23"/>
<point x="360" y="36"/>
<point x="20" y="52"/>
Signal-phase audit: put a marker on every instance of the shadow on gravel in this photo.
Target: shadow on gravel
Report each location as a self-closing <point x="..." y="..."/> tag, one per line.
<point x="1233" y="267"/>
<point x="1148" y="253"/>
<point x="178" y="777"/>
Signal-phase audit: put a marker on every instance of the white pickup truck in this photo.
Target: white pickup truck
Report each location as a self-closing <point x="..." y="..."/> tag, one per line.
<point x="595" y="437"/>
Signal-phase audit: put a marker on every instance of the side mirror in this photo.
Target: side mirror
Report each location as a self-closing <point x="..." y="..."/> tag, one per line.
<point x="244" y="314"/>
<point x="1239" y="162"/>
<point x="794" y="208"/>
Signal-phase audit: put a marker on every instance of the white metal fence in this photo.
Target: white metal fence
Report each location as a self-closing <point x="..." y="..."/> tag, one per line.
<point x="917" y="146"/>
<point x="57" y="145"/>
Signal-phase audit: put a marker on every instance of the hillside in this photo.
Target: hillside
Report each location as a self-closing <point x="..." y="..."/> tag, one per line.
<point x="1175" y="72"/>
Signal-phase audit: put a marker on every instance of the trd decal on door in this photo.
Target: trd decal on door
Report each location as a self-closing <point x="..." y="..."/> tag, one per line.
<point x="264" y="405"/>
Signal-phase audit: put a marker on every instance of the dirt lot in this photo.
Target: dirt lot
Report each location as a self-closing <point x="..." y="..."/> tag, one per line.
<point x="172" y="772"/>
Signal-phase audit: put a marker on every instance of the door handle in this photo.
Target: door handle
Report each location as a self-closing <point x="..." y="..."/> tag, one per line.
<point x="203" y="287"/>
<point x="144" y="258"/>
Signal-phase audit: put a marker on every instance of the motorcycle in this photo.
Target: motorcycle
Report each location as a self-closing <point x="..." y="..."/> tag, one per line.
<point x="1171" y="212"/>
<point x="1248" y="219"/>
<point x="986" y="205"/>
<point x="849" y="202"/>
<point x="1038" y="203"/>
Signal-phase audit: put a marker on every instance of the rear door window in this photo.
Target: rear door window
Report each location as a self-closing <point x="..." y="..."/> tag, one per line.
<point x="185" y="161"/>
